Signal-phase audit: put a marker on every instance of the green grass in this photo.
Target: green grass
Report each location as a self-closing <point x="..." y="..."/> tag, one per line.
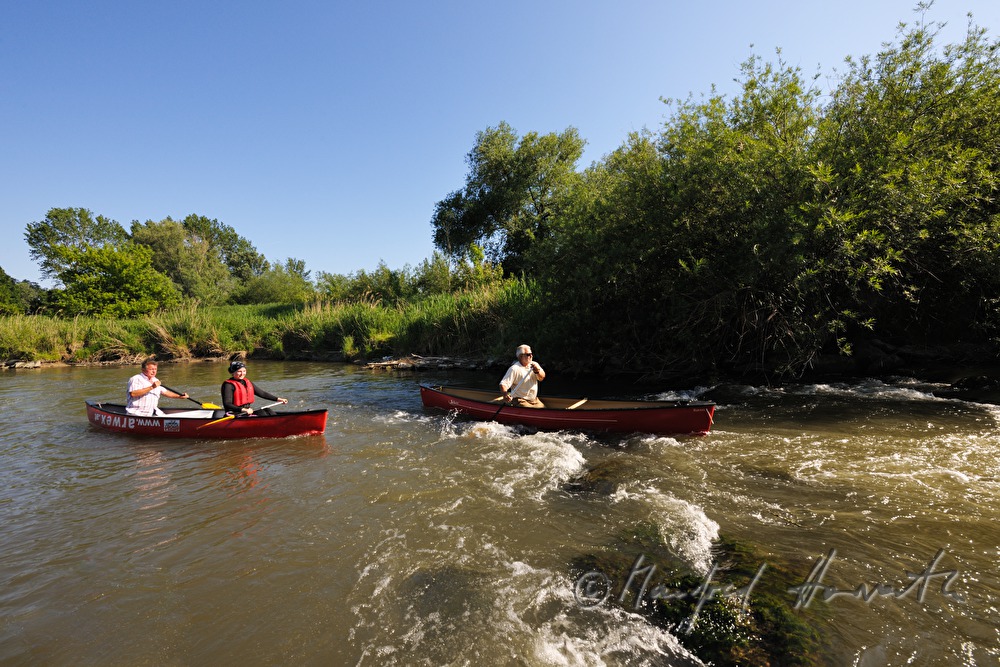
<point x="484" y="321"/>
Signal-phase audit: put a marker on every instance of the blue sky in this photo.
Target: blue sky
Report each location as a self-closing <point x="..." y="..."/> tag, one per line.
<point x="326" y="131"/>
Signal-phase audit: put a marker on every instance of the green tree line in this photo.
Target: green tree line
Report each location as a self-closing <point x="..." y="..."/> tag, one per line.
<point x="102" y="270"/>
<point x="768" y="229"/>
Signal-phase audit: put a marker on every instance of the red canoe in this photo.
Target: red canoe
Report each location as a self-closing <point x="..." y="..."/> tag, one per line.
<point x="182" y="423"/>
<point x="569" y="414"/>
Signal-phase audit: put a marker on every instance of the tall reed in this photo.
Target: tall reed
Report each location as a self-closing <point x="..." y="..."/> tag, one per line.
<point x="482" y="321"/>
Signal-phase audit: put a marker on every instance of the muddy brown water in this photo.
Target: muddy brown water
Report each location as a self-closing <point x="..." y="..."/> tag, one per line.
<point x="405" y="537"/>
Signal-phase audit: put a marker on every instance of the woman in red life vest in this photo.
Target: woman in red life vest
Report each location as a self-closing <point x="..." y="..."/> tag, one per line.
<point x="238" y="393"/>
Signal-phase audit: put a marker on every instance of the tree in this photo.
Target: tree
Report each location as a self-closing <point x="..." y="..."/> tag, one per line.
<point x="474" y="271"/>
<point x="383" y="284"/>
<point x="237" y="253"/>
<point x="512" y="190"/>
<point x="189" y="260"/>
<point x="433" y="276"/>
<point x="683" y="249"/>
<point x="69" y="228"/>
<point x="34" y="296"/>
<point x="288" y="283"/>
<point x="334" y="287"/>
<point x="10" y="297"/>
<point x="112" y="281"/>
<point x="911" y="177"/>
<point x="737" y="252"/>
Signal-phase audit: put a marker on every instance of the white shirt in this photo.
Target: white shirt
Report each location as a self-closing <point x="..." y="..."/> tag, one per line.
<point x="512" y="380"/>
<point x="145" y="405"/>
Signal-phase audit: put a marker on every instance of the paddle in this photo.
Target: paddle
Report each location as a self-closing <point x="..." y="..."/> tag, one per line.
<point x="228" y="417"/>
<point x="207" y="406"/>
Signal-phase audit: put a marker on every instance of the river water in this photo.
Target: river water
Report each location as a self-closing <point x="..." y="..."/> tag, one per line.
<point x="405" y="537"/>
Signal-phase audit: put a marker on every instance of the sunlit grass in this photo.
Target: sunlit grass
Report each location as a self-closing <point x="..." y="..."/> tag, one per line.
<point x="471" y="322"/>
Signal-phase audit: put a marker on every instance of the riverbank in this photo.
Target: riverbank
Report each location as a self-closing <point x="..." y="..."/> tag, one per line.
<point x="969" y="372"/>
<point x="971" y="367"/>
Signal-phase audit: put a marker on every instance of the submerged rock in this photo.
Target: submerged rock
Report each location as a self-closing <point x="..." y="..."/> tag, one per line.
<point x="602" y="479"/>
<point x="20" y="363"/>
<point x="738" y="613"/>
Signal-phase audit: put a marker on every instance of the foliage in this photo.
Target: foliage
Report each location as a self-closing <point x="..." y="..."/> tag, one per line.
<point x="909" y="178"/>
<point x="733" y="249"/>
<point x="479" y="322"/>
<point x="112" y="281"/>
<point x="11" y="301"/>
<point x="189" y="260"/>
<point x="474" y="271"/>
<point x="68" y="229"/>
<point x="21" y="296"/>
<point x="288" y="283"/>
<point x="764" y="231"/>
<point x="398" y="287"/>
<point x="383" y="284"/>
<point x="685" y="246"/>
<point x="238" y="253"/>
<point x="513" y="189"/>
<point x="433" y="276"/>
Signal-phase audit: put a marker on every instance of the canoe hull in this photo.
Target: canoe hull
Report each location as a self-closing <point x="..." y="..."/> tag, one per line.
<point x="179" y="423"/>
<point x="658" y="417"/>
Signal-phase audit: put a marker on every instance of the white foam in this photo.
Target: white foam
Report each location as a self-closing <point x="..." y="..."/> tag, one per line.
<point x="599" y="636"/>
<point x="992" y="410"/>
<point x="402" y="417"/>
<point x="532" y="465"/>
<point x="507" y="611"/>
<point x="564" y="633"/>
<point x="683" y="394"/>
<point x="685" y="526"/>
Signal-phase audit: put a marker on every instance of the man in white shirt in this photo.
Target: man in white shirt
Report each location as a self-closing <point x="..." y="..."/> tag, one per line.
<point x="144" y="391"/>
<point x="520" y="384"/>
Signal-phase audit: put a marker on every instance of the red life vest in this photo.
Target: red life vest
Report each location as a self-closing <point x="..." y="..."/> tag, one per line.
<point x="242" y="394"/>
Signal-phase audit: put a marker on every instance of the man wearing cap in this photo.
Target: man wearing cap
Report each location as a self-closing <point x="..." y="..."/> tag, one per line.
<point x="238" y="393"/>
<point x="520" y="384"/>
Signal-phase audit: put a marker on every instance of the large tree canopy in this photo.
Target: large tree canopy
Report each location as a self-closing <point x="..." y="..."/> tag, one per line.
<point x="94" y="258"/>
<point x="189" y="260"/>
<point x="767" y="229"/>
<point x="112" y="281"/>
<point x="69" y="228"/>
<point x="513" y="189"/>
<point x="908" y="158"/>
<point x="238" y="253"/>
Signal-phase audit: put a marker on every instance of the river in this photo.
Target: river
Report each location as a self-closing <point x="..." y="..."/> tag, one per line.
<point x="405" y="537"/>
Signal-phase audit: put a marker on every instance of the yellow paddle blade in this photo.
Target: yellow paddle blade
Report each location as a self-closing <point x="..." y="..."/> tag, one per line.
<point x="211" y="406"/>
<point x="226" y="418"/>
